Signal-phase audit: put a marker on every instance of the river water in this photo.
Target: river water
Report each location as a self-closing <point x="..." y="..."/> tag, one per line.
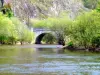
<point x="23" y="60"/>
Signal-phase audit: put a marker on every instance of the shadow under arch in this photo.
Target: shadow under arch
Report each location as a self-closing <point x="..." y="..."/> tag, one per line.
<point x="40" y="37"/>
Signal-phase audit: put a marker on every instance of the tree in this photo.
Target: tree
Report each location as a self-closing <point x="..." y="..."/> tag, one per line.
<point x="6" y="29"/>
<point x="49" y="39"/>
<point x="85" y="28"/>
<point x="23" y="33"/>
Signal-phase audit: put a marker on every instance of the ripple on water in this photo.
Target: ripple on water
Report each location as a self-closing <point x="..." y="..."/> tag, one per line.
<point x="54" y="66"/>
<point x="49" y="64"/>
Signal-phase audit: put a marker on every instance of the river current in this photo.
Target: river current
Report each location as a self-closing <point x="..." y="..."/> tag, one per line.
<point x="23" y="60"/>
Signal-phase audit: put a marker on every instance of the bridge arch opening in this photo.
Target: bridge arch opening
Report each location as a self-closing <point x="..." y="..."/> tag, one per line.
<point x="48" y="38"/>
<point x="53" y="37"/>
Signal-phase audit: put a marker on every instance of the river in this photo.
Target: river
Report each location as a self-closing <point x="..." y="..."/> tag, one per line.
<point x="30" y="60"/>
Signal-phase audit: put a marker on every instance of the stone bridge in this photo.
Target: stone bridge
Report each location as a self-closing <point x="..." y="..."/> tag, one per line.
<point x="40" y="33"/>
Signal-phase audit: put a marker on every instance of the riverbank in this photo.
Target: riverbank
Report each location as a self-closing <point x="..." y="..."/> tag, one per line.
<point x="50" y="47"/>
<point x="91" y="49"/>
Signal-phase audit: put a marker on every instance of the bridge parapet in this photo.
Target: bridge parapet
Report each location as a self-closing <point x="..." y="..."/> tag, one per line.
<point x="40" y="29"/>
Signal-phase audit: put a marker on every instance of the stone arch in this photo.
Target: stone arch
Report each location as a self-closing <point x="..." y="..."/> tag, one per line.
<point x="40" y="37"/>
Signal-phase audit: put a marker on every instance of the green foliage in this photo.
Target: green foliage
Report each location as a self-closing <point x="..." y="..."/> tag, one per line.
<point x="49" y="39"/>
<point x="85" y="28"/>
<point x="6" y="28"/>
<point x="12" y="30"/>
<point x="91" y="4"/>
<point x="98" y="9"/>
<point x="7" y="10"/>
<point x="98" y="6"/>
<point x="24" y="34"/>
<point x="82" y="32"/>
<point x="39" y="23"/>
<point x="61" y="26"/>
<point x="70" y="43"/>
<point x="96" y="41"/>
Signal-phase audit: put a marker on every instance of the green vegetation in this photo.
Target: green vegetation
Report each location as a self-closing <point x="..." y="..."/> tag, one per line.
<point x="83" y="31"/>
<point x="24" y="34"/>
<point x="13" y="31"/>
<point x="49" y="39"/>
<point x="6" y="9"/>
<point x="6" y="29"/>
<point x="86" y="27"/>
<point x="91" y="4"/>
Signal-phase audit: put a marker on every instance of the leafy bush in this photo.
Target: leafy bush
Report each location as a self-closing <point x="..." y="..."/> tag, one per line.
<point x="6" y="28"/>
<point x="49" y="39"/>
<point x="23" y="33"/>
<point x="7" y="10"/>
<point x="86" y="27"/>
<point x="12" y="30"/>
<point x="96" y="41"/>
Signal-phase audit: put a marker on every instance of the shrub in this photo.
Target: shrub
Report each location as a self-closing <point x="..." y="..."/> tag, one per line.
<point x="6" y="28"/>
<point x="96" y="41"/>
<point x="49" y="39"/>
<point x="23" y="32"/>
<point x="86" y="27"/>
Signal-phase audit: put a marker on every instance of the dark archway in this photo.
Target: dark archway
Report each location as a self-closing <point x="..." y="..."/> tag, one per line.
<point x="40" y="37"/>
<point x="46" y="38"/>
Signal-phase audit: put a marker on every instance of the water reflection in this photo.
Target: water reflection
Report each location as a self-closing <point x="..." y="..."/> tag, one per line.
<point x="32" y="61"/>
<point x="55" y="50"/>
